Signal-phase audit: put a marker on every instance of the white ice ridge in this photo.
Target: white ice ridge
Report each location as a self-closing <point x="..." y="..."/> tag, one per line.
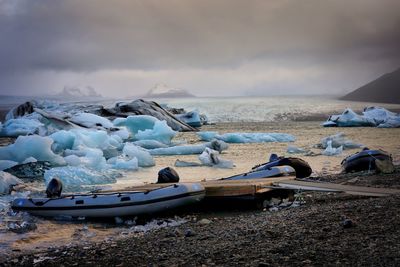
<point x="247" y="137"/>
<point x="90" y="120"/>
<point x="372" y="116"/>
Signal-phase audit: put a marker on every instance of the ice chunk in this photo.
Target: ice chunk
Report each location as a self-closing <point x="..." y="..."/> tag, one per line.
<point x="7" y="180"/>
<point x="22" y="126"/>
<point x="149" y="144"/>
<point x="331" y="151"/>
<point x="349" y="119"/>
<point x="5" y="164"/>
<point x="211" y="157"/>
<point x="124" y="163"/>
<point x="63" y="140"/>
<point x="295" y="150"/>
<point x="122" y="133"/>
<point x="29" y="160"/>
<point x="206" y="136"/>
<point x="338" y="140"/>
<point x="136" y="123"/>
<point x="161" y="132"/>
<point x="255" y="137"/>
<point x="72" y="160"/>
<point x="181" y="163"/>
<point x="189" y="149"/>
<point x="94" y="159"/>
<point x="191" y="118"/>
<point x="143" y="156"/>
<point x="90" y="120"/>
<point x="391" y="122"/>
<point x="75" y="177"/>
<point x="34" y="146"/>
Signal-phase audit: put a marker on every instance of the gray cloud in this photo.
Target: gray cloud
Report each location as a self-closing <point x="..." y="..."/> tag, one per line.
<point x="76" y="41"/>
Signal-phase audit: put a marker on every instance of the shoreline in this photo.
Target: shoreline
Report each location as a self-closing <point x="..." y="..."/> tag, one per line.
<point x="310" y="234"/>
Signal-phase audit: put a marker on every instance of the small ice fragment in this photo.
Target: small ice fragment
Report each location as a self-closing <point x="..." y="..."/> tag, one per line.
<point x="143" y="156"/>
<point x="331" y="151"/>
<point x="295" y="150"/>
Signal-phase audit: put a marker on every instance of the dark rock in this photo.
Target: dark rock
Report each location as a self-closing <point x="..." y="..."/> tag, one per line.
<point x="189" y="233"/>
<point x="347" y="223"/>
<point x="31" y="170"/>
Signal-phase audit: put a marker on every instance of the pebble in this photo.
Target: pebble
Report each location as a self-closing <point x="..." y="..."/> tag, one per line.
<point x="347" y="223"/>
<point x="189" y="233"/>
<point x="204" y="221"/>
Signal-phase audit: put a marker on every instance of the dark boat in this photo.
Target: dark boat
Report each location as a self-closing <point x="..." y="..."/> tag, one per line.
<point x="301" y="167"/>
<point x="364" y="160"/>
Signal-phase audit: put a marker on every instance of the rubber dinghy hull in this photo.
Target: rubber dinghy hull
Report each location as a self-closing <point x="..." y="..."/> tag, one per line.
<point x="97" y="205"/>
<point x="364" y="160"/>
<point x="276" y="171"/>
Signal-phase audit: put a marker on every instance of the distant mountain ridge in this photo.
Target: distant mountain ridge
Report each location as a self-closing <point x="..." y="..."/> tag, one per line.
<point x="385" y="89"/>
<point x="78" y="92"/>
<point x="162" y="90"/>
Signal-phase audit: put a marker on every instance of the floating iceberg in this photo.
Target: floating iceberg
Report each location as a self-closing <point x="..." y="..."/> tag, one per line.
<point x="338" y="140"/>
<point x="372" y="116"/>
<point x="331" y="151"/>
<point x="34" y="146"/>
<point x="189" y="149"/>
<point x="7" y="181"/>
<point x="73" y="178"/>
<point x="247" y="137"/>
<point x="144" y="158"/>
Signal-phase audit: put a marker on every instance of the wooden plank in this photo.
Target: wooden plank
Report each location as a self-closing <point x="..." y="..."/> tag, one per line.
<point x="222" y="188"/>
<point x="350" y="189"/>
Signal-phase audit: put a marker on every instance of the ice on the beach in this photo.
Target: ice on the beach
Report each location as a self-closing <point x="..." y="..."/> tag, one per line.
<point x="72" y="160"/>
<point x="94" y="158"/>
<point x="22" y="126"/>
<point x="122" y="133"/>
<point x="332" y="151"/>
<point x="192" y="118"/>
<point x="124" y="163"/>
<point x="161" y="132"/>
<point x="143" y="156"/>
<point x="189" y="149"/>
<point x="90" y="120"/>
<point x="34" y="146"/>
<point x="372" y="116"/>
<point x="5" y="164"/>
<point x="74" y="177"/>
<point x="211" y="157"/>
<point x="295" y="150"/>
<point x="338" y="140"/>
<point x="150" y="144"/>
<point x="247" y="137"/>
<point x="136" y="123"/>
<point x="7" y="180"/>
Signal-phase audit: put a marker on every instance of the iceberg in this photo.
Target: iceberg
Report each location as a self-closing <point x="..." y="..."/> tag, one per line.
<point x="72" y="160"/>
<point x="73" y="178"/>
<point x="34" y="146"/>
<point x="7" y="180"/>
<point x="392" y="122"/>
<point x="247" y="137"/>
<point x="94" y="159"/>
<point x="189" y="149"/>
<point x="295" y="150"/>
<point x="144" y="158"/>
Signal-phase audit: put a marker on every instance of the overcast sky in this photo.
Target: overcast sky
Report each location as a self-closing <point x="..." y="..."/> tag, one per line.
<point x="210" y="48"/>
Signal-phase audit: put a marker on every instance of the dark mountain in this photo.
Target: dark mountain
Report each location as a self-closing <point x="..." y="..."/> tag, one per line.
<point x="385" y="89"/>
